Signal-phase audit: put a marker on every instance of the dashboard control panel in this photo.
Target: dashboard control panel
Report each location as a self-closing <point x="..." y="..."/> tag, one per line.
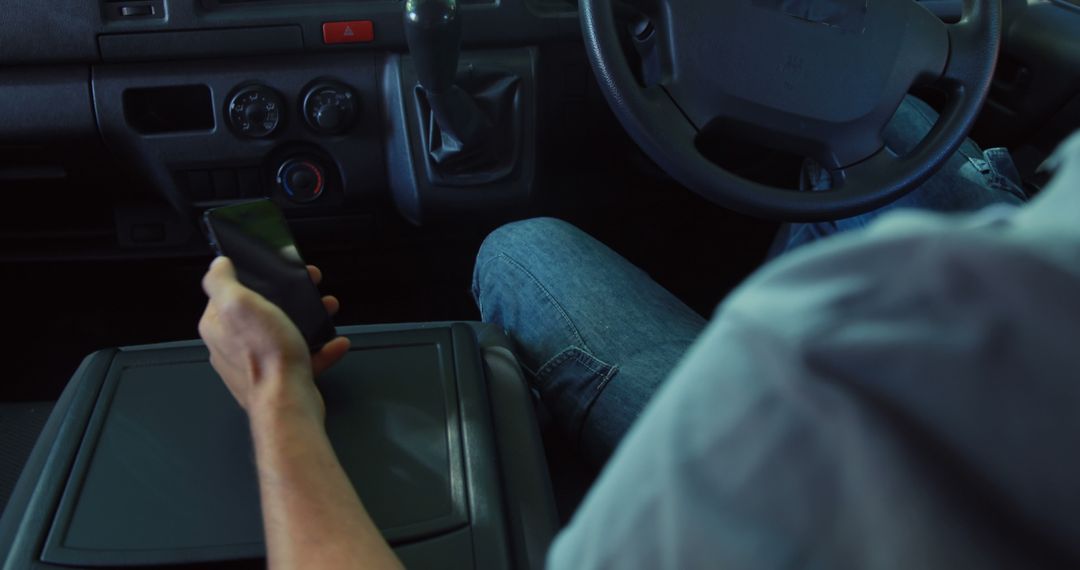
<point x="328" y="107"/>
<point x="301" y="130"/>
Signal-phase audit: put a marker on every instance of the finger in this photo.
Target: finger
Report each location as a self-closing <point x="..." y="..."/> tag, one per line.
<point x="206" y="323"/>
<point x="315" y="273"/>
<point x="330" y="354"/>
<point x="219" y="277"/>
<point x="331" y="304"/>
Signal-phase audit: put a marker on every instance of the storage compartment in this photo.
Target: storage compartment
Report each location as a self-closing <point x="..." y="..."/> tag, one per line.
<point x="157" y="110"/>
<point x="152" y="463"/>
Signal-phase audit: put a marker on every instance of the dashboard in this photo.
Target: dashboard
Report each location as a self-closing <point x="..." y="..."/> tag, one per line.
<point x="210" y="101"/>
<point x="313" y="104"/>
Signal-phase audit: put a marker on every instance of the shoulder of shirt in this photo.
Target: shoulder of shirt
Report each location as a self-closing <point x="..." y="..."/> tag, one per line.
<point x="904" y="254"/>
<point x="1057" y="208"/>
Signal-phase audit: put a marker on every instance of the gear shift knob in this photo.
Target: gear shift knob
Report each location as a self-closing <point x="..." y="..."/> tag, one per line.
<point x="433" y="32"/>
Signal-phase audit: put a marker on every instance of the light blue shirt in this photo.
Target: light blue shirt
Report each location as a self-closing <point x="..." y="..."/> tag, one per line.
<point x="903" y="397"/>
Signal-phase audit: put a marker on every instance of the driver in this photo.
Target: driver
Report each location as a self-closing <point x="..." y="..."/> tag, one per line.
<point x="903" y="395"/>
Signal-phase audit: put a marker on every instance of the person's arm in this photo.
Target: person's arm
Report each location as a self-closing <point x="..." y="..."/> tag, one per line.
<point x="312" y="515"/>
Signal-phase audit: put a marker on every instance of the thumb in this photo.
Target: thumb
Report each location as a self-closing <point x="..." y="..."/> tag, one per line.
<point x="221" y="275"/>
<point x="329" y="355"/>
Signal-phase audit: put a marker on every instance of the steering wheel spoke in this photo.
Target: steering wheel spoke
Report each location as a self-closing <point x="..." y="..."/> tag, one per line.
<point x="648" y="34"/>
<point x="872" y="172"/>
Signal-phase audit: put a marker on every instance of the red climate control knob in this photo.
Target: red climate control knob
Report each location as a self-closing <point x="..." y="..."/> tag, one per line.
<point x="303" y="180"/>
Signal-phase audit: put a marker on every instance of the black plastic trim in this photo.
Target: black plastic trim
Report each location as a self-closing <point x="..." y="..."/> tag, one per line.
<point x="26" y="519"/>
<point x="200" y="43"/>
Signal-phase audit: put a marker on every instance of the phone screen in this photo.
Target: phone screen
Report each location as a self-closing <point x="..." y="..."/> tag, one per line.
<point x="256" y="237"/>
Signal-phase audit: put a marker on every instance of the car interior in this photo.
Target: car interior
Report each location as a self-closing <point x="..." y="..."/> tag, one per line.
<point x="395" y="135"/>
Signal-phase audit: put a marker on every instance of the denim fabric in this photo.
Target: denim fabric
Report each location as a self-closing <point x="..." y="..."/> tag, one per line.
<point x="598" y="336"/>
<point x="971" y="180"/>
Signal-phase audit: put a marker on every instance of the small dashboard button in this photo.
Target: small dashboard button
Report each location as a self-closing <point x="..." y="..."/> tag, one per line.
<point x="355" y="31"/>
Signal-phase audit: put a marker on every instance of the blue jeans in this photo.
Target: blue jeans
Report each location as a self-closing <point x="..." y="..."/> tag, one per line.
<point x="971" y="180"/>
<point x="597" y="336"/>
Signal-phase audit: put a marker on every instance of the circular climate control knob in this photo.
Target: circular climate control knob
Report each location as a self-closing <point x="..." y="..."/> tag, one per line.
<point x="255" y="111"/>
<point x="303" y="180"/>
<point x="330" y="107"/>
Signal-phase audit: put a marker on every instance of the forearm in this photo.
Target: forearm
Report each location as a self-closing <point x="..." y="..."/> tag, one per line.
<point x="312" y="515"/>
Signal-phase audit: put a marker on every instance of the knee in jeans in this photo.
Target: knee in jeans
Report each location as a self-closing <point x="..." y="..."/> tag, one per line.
<point x="523" y="242"/>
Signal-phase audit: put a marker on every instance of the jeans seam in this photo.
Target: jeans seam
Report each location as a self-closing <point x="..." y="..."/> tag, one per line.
<point x="1002" y="181"/>
<point x="612" y="369"/>
<point x="1004" y="184"/>
<point x="475" y="290"/>
<point x="585" y="413"/>
<point x="995" y="180"/>
<point x="558" y="307"/>
<point x="555" y="361"/>
<point x="591" y="361"/>
<point x="479" y="304"/>
<point x="984" y="165"/>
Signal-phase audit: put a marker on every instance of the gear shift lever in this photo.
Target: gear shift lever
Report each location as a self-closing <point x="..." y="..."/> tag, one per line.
<point x="460" y="132"/>
<point x="433" y="32"/>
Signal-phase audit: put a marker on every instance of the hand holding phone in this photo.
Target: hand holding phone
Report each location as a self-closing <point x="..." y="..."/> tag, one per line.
<point x="256" y="237"/>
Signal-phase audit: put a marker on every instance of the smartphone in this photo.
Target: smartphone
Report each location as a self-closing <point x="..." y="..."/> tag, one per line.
<point x="256" y="237"/>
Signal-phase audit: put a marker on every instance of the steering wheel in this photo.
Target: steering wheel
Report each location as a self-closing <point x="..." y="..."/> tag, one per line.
<point x="816" y="78"/>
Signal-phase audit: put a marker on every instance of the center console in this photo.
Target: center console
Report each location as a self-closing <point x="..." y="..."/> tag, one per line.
<point x="147" y="460"/>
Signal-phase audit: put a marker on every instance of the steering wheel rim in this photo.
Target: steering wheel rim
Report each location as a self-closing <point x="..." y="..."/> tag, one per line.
<point x="664" y="130"/>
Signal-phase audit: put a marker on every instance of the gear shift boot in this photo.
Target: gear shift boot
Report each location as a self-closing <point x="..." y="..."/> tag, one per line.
<point x="471" y="132"/>
<point x="470" y="123"/>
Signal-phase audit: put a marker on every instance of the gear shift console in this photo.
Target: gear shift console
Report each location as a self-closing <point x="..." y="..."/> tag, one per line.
<point x="469" y="122"/>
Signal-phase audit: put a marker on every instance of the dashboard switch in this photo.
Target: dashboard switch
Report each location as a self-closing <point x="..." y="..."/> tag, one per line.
<point x="330" y="107"/>
<point x="356" y="31"/>
<point x="137" y="11"/>
<point x="125" y="10"/>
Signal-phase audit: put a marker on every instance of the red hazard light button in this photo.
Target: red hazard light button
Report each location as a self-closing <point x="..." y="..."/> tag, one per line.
<point x="348" y="32"/>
